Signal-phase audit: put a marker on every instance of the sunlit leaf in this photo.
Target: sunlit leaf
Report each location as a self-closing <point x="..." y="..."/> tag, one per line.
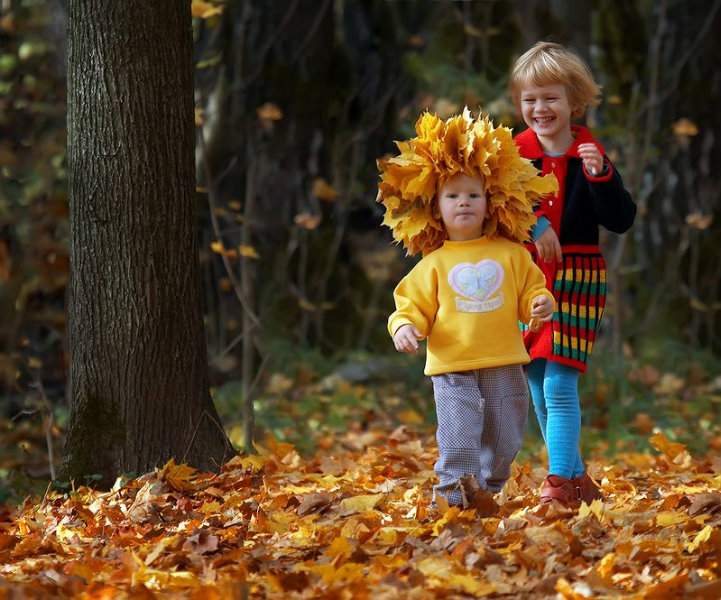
<point x="324" y="191"/>
<point x="269" y="112"/>
<point x="699" y="220"/>
<point x="219" y="248"/>
<point x="205" y="10"/>
<point x="360" y="504"/>
<point x="248" y="251"/>
<point x="306" y="220"/>
<point x="179" y="477"/>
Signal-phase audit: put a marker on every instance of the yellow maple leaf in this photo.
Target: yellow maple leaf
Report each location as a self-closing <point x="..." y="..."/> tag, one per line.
<point x="218" y="248"/>
<point x="209" y="508"/>
<point x="669" y="518"/>
<point x="346" y="573"/>
<point x="701" y="537"/>
<point x="204" y="10"/>
<point x="360" y="504"/>
<point x="307" y="305"/>
<point x="179" y="477"/>
<point x="699" y="220"/>
<point x="305" y="220"/>
<point x="471" y="585"/>
<point x="665" y="446"/>
<point x="450" y="516"/>
<point x="436" y="566"/>
<point x="340" y="546"/>
<point x="278" y="449"/>
<point x="248" y="251"/>
<point x="324" y="191"/>
<point x="253" y="462"/>
<point x="269" y="112"/>
<point x="410" y="417"/>
<point x="606" y="565"/>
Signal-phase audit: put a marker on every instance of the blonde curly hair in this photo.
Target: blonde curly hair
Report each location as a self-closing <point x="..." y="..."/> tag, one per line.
<point x="442" y="149"/>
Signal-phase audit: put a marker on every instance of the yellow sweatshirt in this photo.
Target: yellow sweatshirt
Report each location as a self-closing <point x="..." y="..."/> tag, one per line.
<point x="467" y="299"/>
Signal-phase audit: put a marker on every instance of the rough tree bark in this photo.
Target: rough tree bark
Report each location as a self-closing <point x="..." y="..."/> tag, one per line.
<point x="138" y="376"/>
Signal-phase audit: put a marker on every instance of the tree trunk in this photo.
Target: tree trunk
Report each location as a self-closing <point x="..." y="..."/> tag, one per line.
<point x="138" y="376"/>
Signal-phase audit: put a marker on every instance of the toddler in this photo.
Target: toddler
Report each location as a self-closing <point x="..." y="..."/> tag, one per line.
<point x="460" y="193"/>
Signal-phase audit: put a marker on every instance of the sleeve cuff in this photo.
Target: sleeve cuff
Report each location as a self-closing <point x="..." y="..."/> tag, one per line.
<point x="604" y="175"/>
<point x="540" y="226"/>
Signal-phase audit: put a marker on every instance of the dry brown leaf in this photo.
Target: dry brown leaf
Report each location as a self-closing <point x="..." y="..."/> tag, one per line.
<point x="475" y="497"/>
<point x="313" y="503"/>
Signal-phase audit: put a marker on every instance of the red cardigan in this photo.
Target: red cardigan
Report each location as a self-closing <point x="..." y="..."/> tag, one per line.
<point x="583" y="204"/>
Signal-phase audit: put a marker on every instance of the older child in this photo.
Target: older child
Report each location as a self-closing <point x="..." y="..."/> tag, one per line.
<point x="551" y="86"/>
<point x="460" y="194"/>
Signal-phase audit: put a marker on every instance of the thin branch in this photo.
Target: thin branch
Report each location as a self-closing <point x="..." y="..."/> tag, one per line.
<point x="269" y="44"/>
<point x="211" y="184"/>
<point x="48" y="428"/>
<point x="311" y="31"/>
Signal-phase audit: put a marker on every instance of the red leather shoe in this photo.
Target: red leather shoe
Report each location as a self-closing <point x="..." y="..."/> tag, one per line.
<point x="588" y="490"/>
<point x="562" y="490"/>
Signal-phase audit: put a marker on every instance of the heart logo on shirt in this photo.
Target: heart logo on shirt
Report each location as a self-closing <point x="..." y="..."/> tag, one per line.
<point x="479" y="281"/>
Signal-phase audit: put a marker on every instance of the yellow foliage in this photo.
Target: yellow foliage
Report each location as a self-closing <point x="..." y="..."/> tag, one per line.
<point x="269" y="112"/>
<point x="248" y="251"/>
<point x="360" y="504"/>
<point x="442" y="149"/>
<point x="218" y="248"/>
<point x="324" y="191"/>
<point x="204" y="10"/>
<point x="178" y="477"/>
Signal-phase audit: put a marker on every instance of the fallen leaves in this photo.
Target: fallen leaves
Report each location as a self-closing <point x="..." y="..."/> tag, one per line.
<point x="359" y="525"/>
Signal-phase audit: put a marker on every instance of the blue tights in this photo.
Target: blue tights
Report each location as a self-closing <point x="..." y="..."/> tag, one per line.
<point x="554" y="388"/>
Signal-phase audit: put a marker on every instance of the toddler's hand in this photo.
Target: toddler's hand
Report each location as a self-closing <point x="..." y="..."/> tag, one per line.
<point x="406" y="339"/>
<point x="542" y="308"/>
<point x="592" y="159"/>
<point x="548" y="246"/>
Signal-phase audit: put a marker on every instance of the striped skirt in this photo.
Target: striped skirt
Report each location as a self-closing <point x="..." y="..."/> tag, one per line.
<point x="579" y="287"/>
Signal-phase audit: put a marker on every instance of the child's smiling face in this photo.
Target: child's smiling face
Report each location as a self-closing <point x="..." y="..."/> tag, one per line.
<point x="547" y="109"/>
<point x="462" y="207"/>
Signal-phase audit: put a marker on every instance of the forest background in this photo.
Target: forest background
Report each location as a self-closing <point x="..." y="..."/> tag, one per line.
<point x="295" y="101"/>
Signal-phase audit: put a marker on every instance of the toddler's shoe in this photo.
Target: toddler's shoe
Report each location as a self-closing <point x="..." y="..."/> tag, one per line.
<point x="562" y="490"/>
<point x="588" y="490"/>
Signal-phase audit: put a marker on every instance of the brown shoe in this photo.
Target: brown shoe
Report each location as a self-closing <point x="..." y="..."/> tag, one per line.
<point x="588" y="489"/>
<point x="562" y="490"/>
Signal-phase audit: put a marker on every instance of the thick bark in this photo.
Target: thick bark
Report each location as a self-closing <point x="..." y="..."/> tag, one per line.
<point x="138" y="376"/>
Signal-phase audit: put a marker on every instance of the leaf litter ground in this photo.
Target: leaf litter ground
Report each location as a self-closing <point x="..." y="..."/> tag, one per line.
<point x="357" y="524"/>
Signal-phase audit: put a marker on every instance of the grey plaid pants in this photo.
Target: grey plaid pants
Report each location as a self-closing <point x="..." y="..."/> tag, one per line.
<point x="481" y="420"/>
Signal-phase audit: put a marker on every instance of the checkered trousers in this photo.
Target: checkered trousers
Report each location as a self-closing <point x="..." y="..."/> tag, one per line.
<point x="481" y="420"/>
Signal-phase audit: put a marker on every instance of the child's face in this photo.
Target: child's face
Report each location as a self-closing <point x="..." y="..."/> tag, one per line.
<point x="462" y="207"/>
<point x="547" y="110"/>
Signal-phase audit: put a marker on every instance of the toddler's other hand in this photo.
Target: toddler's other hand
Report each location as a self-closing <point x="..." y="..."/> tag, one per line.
<point x="592" y="159"/>
<point x="548" y="246"/>
<point x="406" y="339"/>
<point x="542" y="307"/>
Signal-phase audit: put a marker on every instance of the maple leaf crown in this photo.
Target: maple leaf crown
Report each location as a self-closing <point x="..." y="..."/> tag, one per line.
<point x="460" y="144"/>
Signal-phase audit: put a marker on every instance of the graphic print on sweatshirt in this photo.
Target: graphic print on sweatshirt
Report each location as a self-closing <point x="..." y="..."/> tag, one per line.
<point x="477" y="283"/>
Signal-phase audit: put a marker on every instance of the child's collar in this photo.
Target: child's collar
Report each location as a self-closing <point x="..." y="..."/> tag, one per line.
<point x="529" y="147"/>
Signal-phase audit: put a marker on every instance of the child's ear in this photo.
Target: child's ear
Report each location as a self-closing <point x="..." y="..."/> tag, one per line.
<point x="436" y="212"/>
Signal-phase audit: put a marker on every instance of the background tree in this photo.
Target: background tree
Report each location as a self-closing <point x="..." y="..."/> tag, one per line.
<point x="138" y="384"/>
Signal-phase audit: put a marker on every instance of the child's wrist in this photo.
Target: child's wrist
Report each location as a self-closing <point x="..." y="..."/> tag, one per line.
<point x="601" y="173"/>
<point x="539" y="227"/>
